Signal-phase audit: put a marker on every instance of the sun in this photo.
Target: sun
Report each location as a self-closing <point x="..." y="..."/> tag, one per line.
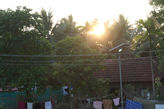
<point x="98" y="30"/>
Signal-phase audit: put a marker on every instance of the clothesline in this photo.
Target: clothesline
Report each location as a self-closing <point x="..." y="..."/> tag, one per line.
<point x="99" y="97"/>
<point x="31" y="105"/>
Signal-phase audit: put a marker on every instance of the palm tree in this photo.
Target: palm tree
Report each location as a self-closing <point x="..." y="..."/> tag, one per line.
<point x="117" y="33"/>
<point x="146" y="39"/>
<point x="47" y="23"/>
<point x="65" y="27"/>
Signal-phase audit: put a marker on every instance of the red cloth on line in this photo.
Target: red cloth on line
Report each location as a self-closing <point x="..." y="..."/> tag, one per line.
<point x="21" y="105"/>
<point x="52" y="102"/>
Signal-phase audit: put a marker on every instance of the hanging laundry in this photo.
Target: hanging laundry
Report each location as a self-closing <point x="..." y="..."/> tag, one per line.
<point x="116" y="101"/>
<point x="97" y="104"/>
<point x="159" y="106"/>
<point x="48" y="105"/>
<point x="29" y="105"/>
<point x="52" y="102"/>
<point x="107" y="104"/>
<point x="132" y="105"/>
<point x="37" y="106"/>
<point x="88" y="102"/>
<point x="42" y="105"/>
<point x="21" y="105"/>
<point x="65" y="90"/>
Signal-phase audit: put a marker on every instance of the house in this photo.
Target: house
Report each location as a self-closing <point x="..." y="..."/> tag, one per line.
<point x="136" y="75"/>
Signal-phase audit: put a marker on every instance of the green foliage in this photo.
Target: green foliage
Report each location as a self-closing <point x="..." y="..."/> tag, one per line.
<point x="65" y="27"/>
<point x="20" y="35"/>
<point x="117" y="33"/>
<point x="25" y="33"/>
<point x="46" y="23"/>
<point x="157" y="2"/>
<point x="158" y="85"/>
<point x="77" y="71"/>
<point x="151" y="36"/>
<point x="147" y="38"/>
<point x="129" y="90"/>
<point x="102" y="87"/>
<point x="89" y="26"/>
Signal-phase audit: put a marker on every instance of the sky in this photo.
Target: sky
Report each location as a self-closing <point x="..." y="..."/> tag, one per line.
<point x="86" y="10"/>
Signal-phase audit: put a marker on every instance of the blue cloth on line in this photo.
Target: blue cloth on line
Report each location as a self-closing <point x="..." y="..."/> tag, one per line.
<point x="132" y="105"/>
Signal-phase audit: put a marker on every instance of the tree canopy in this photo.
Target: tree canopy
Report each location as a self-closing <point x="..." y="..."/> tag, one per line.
<point x="73" y="55"/>
<point x="77" y="69"/>
<point x="151" y="35"/>
<point x="64" y="27"/>
<point x="20" y="35"/>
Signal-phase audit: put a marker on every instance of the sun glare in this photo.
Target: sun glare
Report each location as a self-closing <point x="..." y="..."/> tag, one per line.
<point x="97" y="30"/>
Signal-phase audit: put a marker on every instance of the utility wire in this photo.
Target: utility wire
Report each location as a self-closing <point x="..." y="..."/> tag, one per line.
<point x="81" y="60"/>
<point x="77" y="64"/>
<point x="82" y="55"/>
<point x="106" y="61"/>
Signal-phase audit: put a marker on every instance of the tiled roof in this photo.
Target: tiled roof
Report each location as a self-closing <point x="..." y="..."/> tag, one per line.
<point x="133" y="70"/>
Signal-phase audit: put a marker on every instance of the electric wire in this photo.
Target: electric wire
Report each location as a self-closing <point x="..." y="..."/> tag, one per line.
<point x="81" y="55"/>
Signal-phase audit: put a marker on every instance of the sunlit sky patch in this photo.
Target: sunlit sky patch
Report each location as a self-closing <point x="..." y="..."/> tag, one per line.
<point x="83" y="10"/>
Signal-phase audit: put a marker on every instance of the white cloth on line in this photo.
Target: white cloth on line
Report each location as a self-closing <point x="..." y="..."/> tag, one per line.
<point x="97" y="104"/>
<point x="116" y="101"/>
<point x="48" y="105"/>
<point x="159" y="106"/>
<point x="29" y="105"/>
<point x="65" y="92"/>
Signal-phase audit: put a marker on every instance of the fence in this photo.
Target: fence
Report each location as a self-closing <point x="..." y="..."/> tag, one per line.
<point x="9" y="100"/>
